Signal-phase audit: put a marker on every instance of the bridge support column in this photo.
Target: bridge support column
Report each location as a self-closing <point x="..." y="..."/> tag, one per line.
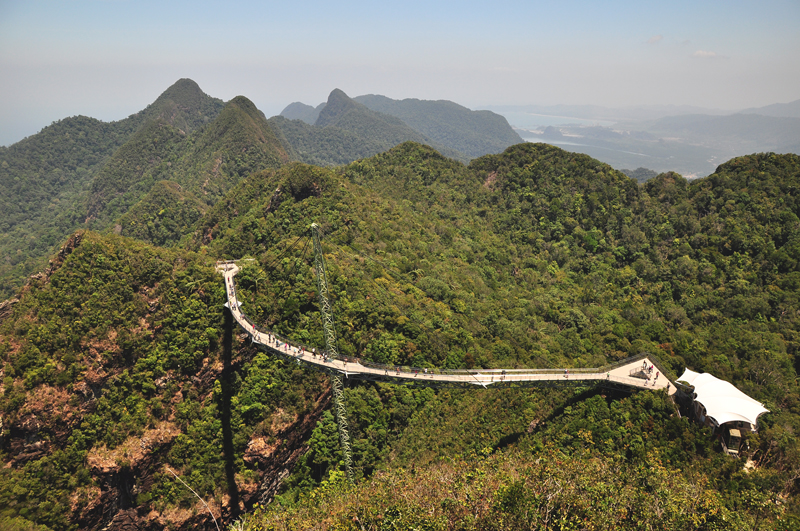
<point x="337" y="383"/>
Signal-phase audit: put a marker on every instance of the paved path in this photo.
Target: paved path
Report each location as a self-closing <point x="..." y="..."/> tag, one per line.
<point x="630" y="374"/>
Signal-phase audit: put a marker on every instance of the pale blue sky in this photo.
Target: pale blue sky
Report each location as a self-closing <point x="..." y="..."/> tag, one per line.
<point x="110" y="58"/>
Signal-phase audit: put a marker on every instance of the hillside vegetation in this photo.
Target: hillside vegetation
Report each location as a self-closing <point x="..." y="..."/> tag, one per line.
<point x="555" y="260"/>
<point x="207" y="163"/>
<point x="83" y="173"/>
<point x="120" y="363"/>
<point x="301" y="111"/>
<point x="43" y="180"/>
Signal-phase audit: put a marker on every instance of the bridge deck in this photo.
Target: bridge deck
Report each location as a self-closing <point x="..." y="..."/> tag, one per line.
<point x="620" y="375"/>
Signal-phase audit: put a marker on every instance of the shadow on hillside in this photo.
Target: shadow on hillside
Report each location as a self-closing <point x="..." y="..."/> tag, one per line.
<point x="225" y="411"/>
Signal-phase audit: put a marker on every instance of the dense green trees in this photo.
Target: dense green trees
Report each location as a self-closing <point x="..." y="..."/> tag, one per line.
<point x="504" y="491"/>
<point x="534" y="257"/>
<point x="43" y="180"/>
<point x="125" y="338"/>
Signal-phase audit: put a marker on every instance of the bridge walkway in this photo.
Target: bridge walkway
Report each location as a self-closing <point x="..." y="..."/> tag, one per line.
<point x="631" y="373"/>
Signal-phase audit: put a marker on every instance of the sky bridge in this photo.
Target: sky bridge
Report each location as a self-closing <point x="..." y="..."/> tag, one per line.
<point x="638" y="372"/>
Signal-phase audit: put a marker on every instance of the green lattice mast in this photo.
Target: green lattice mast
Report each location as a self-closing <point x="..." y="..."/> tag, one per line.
<point x="337" y="383"/>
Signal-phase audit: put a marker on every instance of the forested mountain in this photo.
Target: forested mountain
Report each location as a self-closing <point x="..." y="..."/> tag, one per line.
<point x="43" y="181"/>
<point x="475" y="133"/>
<point x="346" y="130"/>
<point x="45" y="178"/>
<point x="82" y="172"/>
<point x="456" y="131"/>
<point x="184" y="106"/>
<point x="641" y="175"/>
<point x="301" y="111"/>
<point x="207" y="162"/>
<point x="131" y="171"/>
<point x="120" y="365"/>
<point x="163" y="216"/>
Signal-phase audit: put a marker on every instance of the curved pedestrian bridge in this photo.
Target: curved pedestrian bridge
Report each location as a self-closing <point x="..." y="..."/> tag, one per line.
<point x="640" y="372"/>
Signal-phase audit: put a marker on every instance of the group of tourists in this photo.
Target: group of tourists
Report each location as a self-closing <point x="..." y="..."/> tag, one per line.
<point x="648" y="371"/>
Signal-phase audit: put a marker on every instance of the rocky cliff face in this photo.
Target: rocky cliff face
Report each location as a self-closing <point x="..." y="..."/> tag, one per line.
<point x="120" y="474"/>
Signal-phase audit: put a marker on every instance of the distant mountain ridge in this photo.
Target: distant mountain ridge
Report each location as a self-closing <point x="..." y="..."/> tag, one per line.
<point x="739" y="132"/>
<point x="184" y="106"/>
<point x="475" y="133"/>
<point x="346" y="130"/>
<point x="780" y="110"/>
<point x="187" y="149"/>
<point x="206" y="163"/>
<point x="454" y="130"/>
<point x="689" y="140"/>
<point x="301" y="111"/>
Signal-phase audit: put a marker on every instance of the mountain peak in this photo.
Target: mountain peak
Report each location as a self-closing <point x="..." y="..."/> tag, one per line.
<point x="338" y="104"/>
<point x="184" y="93"/>
<point x="337" y="94"/>
<point x="301" y="111"/>
<point x="184" y="105"/>
<point x="247" y="106"/>
<point x="184" y="87"/>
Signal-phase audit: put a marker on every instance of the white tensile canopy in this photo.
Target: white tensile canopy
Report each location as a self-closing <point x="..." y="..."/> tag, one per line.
<point x="722" y="400"/>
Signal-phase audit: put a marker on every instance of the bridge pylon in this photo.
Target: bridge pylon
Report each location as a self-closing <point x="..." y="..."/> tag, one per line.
<point x="332" y="349"/>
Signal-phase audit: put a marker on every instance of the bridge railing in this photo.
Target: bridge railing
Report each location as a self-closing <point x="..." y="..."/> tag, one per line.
<point x="576" y="370"/>
<point x="665" y="371"/>
<point x="410" y="369"/>
<point x="253" y="327"/>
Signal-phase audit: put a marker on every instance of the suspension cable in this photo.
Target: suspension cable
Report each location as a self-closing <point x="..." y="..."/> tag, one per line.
<point x="275" y="261"/>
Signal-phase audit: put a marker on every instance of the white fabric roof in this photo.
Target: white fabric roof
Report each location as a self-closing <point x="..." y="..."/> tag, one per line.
<point x="722" y="400"/>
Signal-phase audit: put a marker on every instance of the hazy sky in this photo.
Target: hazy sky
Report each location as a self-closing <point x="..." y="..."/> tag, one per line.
<point x="110" y="58"/>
